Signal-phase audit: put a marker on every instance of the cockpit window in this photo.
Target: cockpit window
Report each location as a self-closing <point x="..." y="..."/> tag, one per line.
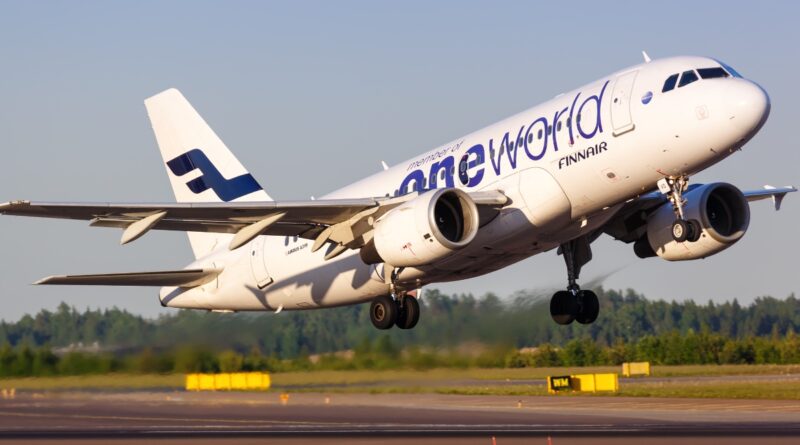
<point x="728" y="68"/>
<point x="711" y="73"/>
<point x="670" y="83"/>
<point x="687" y="77"/>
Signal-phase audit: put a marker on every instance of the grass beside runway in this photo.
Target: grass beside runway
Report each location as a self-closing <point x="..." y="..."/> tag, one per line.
<point x="373" y="376"/>
<point x="470" y="381"/>
<point x="711" y="390"/>
<point x="104" y="381"/>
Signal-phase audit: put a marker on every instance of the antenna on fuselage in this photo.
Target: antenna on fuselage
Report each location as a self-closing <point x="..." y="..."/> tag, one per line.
<point x="384" y="165"/>
<point x="646" y="57"/>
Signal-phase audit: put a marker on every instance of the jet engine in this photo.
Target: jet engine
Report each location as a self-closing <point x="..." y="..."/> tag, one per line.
<point x="423" y="230"/>
<point x="722" y="213"/>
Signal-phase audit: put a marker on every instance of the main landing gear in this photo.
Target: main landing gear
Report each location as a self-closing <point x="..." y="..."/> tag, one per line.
<point x="399" y="308"/>
<point x="682" y="229"/>
<point x="401" y="311"/>
<point x="575" y="304"/>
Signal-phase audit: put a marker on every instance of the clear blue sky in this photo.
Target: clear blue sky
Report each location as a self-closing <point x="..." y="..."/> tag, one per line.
<point x="313" y="95"/>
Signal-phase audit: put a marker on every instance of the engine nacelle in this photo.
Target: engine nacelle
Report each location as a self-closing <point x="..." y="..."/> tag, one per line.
<point x="423" y="230"/>
<point x="723" y="214"/>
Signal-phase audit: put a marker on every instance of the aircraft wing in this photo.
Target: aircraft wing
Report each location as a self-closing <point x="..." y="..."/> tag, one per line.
<point x="628" y="225"/>
<point x="343" y="221"/>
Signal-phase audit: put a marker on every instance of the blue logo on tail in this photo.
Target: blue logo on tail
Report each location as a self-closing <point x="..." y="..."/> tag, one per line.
<point x="226" y="189"/>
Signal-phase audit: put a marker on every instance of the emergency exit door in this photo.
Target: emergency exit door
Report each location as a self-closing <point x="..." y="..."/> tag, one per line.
<point x="258" y="262"/>
<point x="621" y="96"/>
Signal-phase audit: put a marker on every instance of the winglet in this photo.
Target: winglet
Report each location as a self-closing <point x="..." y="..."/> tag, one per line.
<point x="777" y="198"/>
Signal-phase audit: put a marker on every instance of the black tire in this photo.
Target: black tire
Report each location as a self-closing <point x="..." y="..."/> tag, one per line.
<point x="695" y="230"/>
<point x="563" y="307"/>
<point x="589" y="307"/>
<point x="383" y="312"/>
<point x="680" y="230"/>
<point x="408" y="314"/>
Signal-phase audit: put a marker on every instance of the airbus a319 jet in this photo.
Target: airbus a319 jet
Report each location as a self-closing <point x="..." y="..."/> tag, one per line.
<point x="611" y="157"/>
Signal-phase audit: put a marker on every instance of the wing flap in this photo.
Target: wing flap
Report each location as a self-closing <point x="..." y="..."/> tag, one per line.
<point x="342" y="221"/>
<point x="328" y="211"/>
<point x="300" y="218"/>
<point x="180" y="278"/>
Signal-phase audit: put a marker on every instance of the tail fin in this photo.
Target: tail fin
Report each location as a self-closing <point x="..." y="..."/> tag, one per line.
<point x="199" y="165"/>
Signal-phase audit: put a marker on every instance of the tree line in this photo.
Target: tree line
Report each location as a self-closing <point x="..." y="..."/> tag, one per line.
<point x="630" y="327"/>
<point x="383" y="353"/>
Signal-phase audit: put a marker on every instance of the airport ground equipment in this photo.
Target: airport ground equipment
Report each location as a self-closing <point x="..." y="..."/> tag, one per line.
<point x="228" y="381"/>
<point x="635" y="369"/>
<point x="583" y="383"/>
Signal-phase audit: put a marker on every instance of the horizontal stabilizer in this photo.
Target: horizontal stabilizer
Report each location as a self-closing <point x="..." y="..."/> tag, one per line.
<point x="180" y="278"/>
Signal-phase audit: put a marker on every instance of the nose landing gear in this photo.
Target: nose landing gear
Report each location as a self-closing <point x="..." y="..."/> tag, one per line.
<point x="575" y="304"/>
<point x="682" y="230"/>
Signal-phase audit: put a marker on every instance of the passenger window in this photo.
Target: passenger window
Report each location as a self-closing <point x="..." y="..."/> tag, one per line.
<point x="558" y="126"/>
<point x="687" y="77"/>
<point x="711" y="73"/>
<point x="670" y="83"/>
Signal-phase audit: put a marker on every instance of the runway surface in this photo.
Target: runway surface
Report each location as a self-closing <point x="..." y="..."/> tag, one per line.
<point x="180" y="417"/>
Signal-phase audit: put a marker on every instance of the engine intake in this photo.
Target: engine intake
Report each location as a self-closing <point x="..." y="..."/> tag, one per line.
<point x="723" y="214"/>
<point x="423" y="230"/>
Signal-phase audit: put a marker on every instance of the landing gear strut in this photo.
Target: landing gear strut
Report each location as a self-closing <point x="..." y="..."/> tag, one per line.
<point x="574" y="304"/>
<point x="682" y="230"/>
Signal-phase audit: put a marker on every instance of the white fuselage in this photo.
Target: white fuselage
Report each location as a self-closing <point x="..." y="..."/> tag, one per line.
<point x="566" y="165"/>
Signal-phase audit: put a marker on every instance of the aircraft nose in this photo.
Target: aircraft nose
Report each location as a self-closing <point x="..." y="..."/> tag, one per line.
<point x="748" y="105"/>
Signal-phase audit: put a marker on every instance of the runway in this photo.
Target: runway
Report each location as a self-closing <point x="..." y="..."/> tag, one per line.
<point x="175" y="417"/>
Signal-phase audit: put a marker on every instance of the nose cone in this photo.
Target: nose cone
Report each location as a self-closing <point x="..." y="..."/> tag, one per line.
<point x="748" y="107"/>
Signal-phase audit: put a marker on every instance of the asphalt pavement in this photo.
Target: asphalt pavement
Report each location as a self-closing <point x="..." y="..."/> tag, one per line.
<point x="222" y="417"/>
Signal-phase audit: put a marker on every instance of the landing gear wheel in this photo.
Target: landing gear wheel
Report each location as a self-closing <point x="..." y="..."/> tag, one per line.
<point x="383" y="312"/>
<point x="695" y="230"/>
<point x="680" y="230"/>
<point x="589" y="307"/>
<point x="408" y="313"/>
<point x="563" y="307"/>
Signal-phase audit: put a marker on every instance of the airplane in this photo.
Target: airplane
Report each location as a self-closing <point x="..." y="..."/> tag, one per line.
<point x="611" y="157"/>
